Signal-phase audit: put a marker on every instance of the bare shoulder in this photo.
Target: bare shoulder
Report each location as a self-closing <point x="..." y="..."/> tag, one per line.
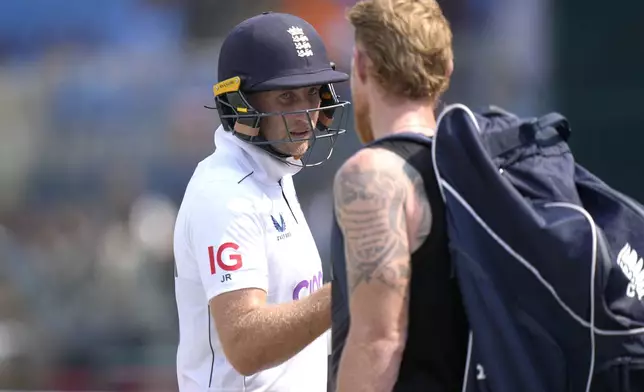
<point x="371" y="181"/>
<point x="374" y="168"/>
<point x="380" y="204"/>
<point x="377" y="169"/>
<point x="374" y="158"/>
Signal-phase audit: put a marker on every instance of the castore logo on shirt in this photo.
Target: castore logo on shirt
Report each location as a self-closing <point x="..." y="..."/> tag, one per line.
<point x="280" y="227"/>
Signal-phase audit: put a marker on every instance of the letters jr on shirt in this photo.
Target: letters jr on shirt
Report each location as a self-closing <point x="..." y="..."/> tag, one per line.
<point x="227" y="259"/>
<point x="238" y="231"/>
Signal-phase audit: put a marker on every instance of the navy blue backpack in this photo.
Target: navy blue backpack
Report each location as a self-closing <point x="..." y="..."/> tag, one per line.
<point x="548" y="257"/>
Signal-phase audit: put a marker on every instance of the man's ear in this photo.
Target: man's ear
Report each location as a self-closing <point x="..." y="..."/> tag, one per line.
<point x="360" y="64"/>
<point x="450" y="69"/>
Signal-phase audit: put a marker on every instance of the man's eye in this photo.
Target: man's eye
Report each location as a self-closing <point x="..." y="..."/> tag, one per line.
<point x="287" y="96"/>
<point x="314" y="91"/>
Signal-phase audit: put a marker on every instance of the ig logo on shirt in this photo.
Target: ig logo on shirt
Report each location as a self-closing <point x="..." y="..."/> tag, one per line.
<point x="228" y="259"/>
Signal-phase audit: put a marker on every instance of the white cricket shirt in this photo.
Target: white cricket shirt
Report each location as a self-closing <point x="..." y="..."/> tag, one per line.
<point x="240" y="225"/>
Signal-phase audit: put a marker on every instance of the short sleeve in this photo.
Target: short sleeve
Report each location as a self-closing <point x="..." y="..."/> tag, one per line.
<point x="227" y="238"/>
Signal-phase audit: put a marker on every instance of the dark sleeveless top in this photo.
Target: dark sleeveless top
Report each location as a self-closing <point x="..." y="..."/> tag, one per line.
<point x="435" y="353"/>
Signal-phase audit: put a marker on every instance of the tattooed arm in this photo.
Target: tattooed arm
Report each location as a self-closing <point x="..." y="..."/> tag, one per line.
<point x="382" y="219"/>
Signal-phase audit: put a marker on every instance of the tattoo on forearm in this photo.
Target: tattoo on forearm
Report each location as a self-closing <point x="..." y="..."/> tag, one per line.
<point x="370" y="207"/>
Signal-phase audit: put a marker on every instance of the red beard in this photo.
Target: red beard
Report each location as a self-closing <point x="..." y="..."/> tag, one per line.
<point x="362" y="120"/>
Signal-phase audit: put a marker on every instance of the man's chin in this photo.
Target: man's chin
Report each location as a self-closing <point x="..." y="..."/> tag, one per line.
<point x="295" y="151"/>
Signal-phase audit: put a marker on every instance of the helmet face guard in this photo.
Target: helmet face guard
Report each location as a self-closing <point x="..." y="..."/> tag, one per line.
<point x="239" y="117"/>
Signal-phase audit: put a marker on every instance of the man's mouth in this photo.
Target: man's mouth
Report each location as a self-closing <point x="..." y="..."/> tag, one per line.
<point x="300" y="135"/>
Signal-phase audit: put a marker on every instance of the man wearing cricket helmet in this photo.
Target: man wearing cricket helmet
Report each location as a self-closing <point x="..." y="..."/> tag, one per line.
<point x="253" y="309"/>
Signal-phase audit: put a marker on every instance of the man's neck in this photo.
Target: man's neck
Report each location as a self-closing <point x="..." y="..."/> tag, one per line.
<point x="409" y="116"/>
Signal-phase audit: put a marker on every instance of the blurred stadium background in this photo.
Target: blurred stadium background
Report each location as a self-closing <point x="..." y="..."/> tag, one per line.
<point x="102" y="123"/>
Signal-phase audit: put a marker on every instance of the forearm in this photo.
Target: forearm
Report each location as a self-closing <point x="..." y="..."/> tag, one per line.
<point x="369" y="365"/>
<point x="272" y="334"/>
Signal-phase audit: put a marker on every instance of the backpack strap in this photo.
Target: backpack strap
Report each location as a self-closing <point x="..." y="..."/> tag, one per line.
<point x="540" y="130"/>
<point x="556" y="121"/>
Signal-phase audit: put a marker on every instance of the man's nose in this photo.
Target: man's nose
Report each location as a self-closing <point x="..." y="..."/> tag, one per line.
<point x="304" y="119"/>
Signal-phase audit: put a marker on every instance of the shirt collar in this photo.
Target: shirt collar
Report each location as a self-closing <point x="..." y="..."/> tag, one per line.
<point x="266" y="167"/>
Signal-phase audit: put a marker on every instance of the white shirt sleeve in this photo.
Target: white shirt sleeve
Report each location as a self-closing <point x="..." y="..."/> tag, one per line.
<point x="227" y="239"/>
